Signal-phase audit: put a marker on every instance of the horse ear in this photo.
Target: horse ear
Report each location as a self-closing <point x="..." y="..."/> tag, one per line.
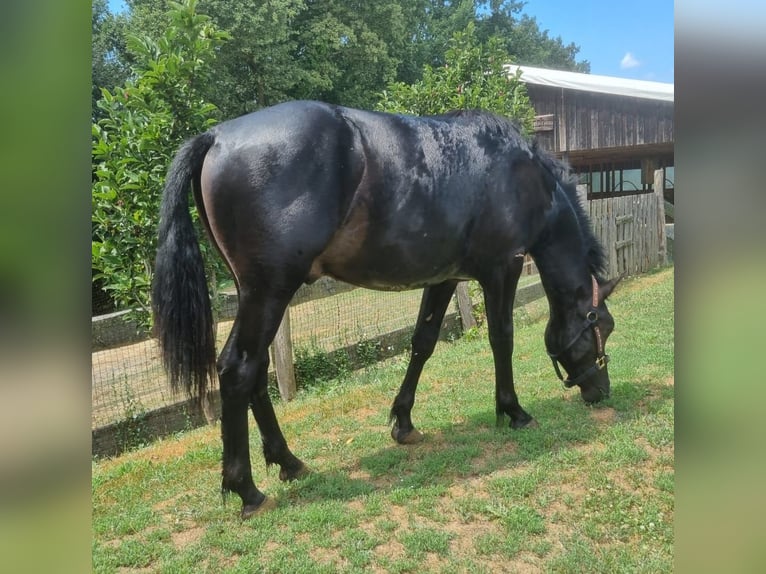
<point x="605" y="289"/>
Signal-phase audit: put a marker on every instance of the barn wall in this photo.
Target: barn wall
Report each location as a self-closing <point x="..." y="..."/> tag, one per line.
<point x="590" y="121"/>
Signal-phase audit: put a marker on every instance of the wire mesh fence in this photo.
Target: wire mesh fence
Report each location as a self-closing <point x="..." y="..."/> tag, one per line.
<point x="128" y="380"/>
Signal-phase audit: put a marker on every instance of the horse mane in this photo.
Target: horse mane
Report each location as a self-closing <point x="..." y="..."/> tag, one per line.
<point x="492" y="121"/>
<point x="594" y="251"/>
<point x="559" y="169"/>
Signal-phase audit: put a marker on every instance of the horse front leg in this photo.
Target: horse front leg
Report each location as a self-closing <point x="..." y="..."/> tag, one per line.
<point x="433" y="306"/>
<point x="499" y="293"/>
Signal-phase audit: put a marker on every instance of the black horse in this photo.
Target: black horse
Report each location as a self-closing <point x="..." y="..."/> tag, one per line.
<point x="389" y="202"/>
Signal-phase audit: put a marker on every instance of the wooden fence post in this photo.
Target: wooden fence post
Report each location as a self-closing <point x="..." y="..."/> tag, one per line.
<point x="464" y="306"/>
<point x="207" y="410"/>
<point x="659" y="192"/>
<point x="283" y="359"/>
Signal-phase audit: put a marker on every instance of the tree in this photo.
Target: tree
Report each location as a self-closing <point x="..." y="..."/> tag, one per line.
<point x="349" y="50"/>
<point x="473" y="77"/>
<point x="143" y="123"/>
<point x="522" y="37"/>
<point x="108" y="66"/>
<point x="341" y="51"/>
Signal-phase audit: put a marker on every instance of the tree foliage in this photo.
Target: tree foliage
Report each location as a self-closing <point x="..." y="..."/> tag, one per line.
<point x="523" y="39"/>
<point x="108" y="63"/>
<point x="344" y="51"/>
<point x="143" y="123"/>
<point x="473" y="77"/>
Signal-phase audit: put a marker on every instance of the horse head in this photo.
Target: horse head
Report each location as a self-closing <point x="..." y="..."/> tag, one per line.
<point x="577" y="338"/>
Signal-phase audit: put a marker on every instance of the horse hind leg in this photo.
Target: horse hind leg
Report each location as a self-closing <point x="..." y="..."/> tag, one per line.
<point x="433" y="306"/>
<point x="235" y="374"/>
<point x="275" y="449"/>
<point x="243" y="373"/>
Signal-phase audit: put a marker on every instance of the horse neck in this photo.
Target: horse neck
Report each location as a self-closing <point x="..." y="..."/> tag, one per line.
<point x="561" y="261"/>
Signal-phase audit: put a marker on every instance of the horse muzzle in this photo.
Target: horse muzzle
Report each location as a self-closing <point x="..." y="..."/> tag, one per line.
<point x="596" y="388"/>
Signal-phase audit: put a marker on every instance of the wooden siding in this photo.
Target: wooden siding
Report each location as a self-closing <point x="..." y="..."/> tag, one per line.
<point x="590" y="121"/>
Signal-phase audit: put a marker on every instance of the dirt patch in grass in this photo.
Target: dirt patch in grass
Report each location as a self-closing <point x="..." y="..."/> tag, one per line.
<point x="603" y="415"/>
<point x="172" y="449"/>
<point x="184" y="538"/>
<point x="391" y="550"/>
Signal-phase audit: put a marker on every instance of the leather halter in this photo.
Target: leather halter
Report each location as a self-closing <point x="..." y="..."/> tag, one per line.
<point x="591" y="322"/>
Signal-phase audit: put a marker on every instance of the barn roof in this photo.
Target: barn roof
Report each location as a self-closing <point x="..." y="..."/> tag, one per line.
<point x="595" y="83"/>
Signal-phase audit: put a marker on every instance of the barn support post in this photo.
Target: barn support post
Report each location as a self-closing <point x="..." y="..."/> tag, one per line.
<point x="464" y="306"/>
<point x="282" y="349"/>
<point x="659" y="192"/>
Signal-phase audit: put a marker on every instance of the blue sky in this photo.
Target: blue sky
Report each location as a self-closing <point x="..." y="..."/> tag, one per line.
<point x="618" y="38"/>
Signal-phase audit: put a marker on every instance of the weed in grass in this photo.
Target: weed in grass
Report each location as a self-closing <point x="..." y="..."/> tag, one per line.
<point x="419" y="540"/>
<point x="665" y="481"/>
<point x="503" y="545"/>
<point x="315" y="367"/>
<point x="367" y="353"/>
<point x="386" y="525"/>
<point x="517" y="487"/>
<point x="472" y="334"/>
<point x="131" y="431"/>
<point x="356" y="547"/>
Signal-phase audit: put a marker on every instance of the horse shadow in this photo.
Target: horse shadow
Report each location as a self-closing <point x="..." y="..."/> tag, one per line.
<point x="454" y="452"/>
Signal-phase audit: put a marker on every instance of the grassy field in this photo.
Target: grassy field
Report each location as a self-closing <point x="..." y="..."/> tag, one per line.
<point x="590" y="490"/>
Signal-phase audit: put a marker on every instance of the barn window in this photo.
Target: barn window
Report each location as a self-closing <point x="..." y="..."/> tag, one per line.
<point x="612" y="179"/>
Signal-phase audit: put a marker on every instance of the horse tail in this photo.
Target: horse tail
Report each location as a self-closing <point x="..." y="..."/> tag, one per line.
<point x="183" y="320"/>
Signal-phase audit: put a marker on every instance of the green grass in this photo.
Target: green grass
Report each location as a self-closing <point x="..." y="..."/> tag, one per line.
<point x="590" y="490"/>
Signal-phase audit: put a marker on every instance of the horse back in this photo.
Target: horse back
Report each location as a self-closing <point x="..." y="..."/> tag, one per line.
<point x="306" y="189"/>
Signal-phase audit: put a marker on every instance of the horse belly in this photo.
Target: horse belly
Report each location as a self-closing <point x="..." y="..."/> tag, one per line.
<point x="375" y="262"/>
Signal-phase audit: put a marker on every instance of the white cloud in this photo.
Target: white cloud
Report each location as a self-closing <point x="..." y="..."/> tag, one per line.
<point x="629" y="61"/>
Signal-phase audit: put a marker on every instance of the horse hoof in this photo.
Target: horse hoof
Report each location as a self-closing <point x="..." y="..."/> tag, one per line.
<point x="249" y="511"/>
<point x="412" y="437"/>
<point x="293" y="474"/>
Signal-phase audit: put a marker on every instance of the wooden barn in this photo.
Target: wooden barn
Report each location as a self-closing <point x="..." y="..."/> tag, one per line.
<point x="617" y="135"/>
<point x="614" y="132"/>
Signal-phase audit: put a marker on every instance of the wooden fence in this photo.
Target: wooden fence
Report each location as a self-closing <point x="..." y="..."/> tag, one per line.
<point x="631" y="228"/>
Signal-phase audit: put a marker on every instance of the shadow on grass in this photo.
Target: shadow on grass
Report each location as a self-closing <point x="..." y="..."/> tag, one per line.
<point x="475" y="447"/>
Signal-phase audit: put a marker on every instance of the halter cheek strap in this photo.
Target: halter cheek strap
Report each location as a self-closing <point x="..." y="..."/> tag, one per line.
<point x="591" y="322"/>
